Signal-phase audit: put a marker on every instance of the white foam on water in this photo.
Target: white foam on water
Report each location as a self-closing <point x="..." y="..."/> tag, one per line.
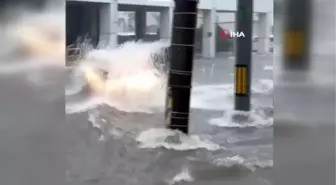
<point x="212" y="97"/>
<point x="84" y="105"/>
<point x="238" y="161"/>
<point x="220" y="97"/>
<point x="264" y="86"/>
<point x="230" y="161"/>
<point x="164" y="138"/>
<point x="183" y="176"/>
<point x="255" y="119"/>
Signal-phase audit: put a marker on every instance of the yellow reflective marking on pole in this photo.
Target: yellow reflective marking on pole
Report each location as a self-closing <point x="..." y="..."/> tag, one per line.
<point x="294" y="43"/>
<point x="237" y="80"/>
<point x="241" y="80"/>
<point x="244" y="79"/>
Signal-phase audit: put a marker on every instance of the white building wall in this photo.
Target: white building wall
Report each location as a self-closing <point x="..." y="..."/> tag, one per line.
<point x="220" y="5"/>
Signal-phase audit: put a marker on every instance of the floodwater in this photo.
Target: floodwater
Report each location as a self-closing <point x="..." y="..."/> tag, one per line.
<point x="108" y="140"/>
<point x="118" y="146"/>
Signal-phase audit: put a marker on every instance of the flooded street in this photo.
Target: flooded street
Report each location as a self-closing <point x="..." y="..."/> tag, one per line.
<point x="134" y="148"/>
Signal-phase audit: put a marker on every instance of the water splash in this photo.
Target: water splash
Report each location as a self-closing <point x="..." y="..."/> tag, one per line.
<point x="255" y="118"/>
<point x="128" y="82"/>
<point x="183" y="176"/>
<point x="220" y="98"/>
<point x="164" y="138"/>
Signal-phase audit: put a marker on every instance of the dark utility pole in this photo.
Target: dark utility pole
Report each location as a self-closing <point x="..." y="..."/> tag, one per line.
<point x="244" y="19"/>
<point x="296" y="34"/>
<point x="181" y="65"/>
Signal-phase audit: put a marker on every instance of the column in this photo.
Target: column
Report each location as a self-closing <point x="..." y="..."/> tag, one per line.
<point x="209" y="31"/>
<point x="94" y="18"/>
<point x="166" y="19"/>
<point x="263" y="32"/>
<point x="109" y="24"/>
<point x="140" y="23"/>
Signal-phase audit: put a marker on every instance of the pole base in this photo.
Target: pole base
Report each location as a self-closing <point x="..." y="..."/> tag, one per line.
<point x="241" y="118"/>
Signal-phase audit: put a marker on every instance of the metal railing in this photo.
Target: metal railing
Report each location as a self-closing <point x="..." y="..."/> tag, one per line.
<point x="76" y="52"/>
